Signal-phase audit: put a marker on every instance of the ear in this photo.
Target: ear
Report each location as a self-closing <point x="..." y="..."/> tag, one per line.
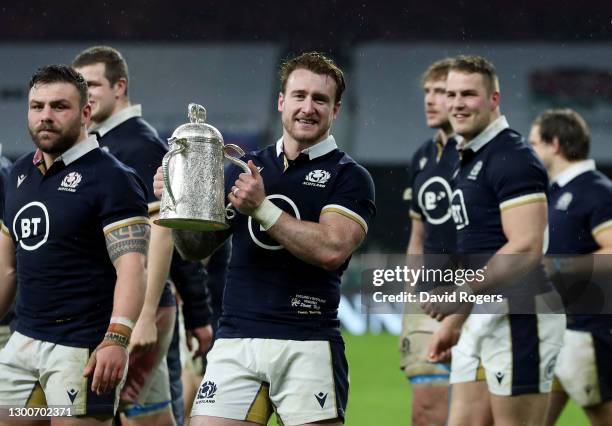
<point x="86" y="115"/>
<point x="495" y="99"/>
<point x="556" y="145"/>
<point x="120" y="87"/>
<point x="281" y="101"/>
<point x="337" y="109"/>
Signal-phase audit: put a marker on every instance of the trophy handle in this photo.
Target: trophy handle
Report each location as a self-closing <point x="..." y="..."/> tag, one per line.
<point x="178" y="146"/>
<point x="230" y="213"/>
<point x="235" y="160"/>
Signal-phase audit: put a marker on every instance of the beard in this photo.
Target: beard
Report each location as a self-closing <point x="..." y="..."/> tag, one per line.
<point x="58" y="141"/>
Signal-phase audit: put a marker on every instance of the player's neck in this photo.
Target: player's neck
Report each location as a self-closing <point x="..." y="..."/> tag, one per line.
<point x="121" y="104"/>
<point x="443" y="134"/>
<point x="292" y="147"/>
<point x="50" y="158"/>
<point x="558" y="166"/>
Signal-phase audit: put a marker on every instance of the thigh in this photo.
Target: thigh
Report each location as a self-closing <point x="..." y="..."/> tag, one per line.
<point x="18" y="370"/>
<point x="234" y="386"/>
<point x="62" y="380"/>
<point x="308" y="380"/>
<point x="525" y="410"/>
<point x="576" y="368"/>
<point x="470" y="404"/>
<point x="417" y="330"/>
<point x="520" y="352"/>
<point x="148" y="382"/>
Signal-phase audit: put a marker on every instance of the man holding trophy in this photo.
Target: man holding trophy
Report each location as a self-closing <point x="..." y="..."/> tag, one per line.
<point x="302" y="210"/>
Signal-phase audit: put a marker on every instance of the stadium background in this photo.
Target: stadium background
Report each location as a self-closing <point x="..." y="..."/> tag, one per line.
<point x="224" y="54"/>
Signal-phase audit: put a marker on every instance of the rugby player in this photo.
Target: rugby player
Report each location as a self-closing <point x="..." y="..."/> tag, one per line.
<point x="580" y="223"/>
<point x="76" y="247"/>
<point x="432" y="232"/>
<point x="499" y="208"/>
<point x="121" y="130"/>
<point x="302" y="212"/>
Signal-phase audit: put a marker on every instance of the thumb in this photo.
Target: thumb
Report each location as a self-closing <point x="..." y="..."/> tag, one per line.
<point x="253" y="168"/>
<point x="91" y="365"/>
<point x="432" y="350"/>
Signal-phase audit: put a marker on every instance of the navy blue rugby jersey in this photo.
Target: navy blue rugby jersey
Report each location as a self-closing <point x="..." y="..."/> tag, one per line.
<point x="580" y="206"/>
<point x="58" y="219"/>
<point x="270" y="293"/>
<point x="432" y="168"/>
<point x="136" y="144"/>
<point x="5" y="166"/>
<point x="497" y="170"/>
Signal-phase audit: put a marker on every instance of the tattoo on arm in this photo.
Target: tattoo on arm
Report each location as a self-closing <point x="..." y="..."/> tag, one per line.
<point x="128" y="239"/>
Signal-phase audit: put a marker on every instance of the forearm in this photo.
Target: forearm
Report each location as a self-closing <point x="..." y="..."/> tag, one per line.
<point x="8" y="289"/>
<point x="314" y="243"/>
<point x="130" y="287"/>
<point x="197" y="245"/>
<point x="158" y="266"/>
<point x="506" y="267"/>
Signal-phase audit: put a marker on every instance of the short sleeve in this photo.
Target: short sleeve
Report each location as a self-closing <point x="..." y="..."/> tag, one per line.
<point x="122" y="199"/>
<point x="518" y="177"/>
<point x="353" y="196"/>
<point x="601" y="214"/>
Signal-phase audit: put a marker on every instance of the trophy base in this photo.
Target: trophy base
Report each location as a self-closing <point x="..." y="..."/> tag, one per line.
<point x="192" y="224"/>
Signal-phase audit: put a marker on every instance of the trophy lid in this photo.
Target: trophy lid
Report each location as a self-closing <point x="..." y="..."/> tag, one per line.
<point x="197" y="127"/>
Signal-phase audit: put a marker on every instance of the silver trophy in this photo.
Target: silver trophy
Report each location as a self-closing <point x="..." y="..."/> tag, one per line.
<point x="194" y="187"/>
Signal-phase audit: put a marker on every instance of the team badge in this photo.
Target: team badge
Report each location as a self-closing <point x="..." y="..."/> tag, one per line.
<point x="564" y="201"/>
<point x="70" y="182"/>
<point x="206" y="393"/>
<point x="317" y="178"/>
<point x="475" y="170"/>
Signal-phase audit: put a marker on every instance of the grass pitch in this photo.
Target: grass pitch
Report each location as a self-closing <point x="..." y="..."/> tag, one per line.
<point x="379" y="394"/>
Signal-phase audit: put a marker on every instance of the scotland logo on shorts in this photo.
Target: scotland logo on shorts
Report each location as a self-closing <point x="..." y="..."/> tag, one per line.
<point x="206" y="393"/>
<point x="317" y="178"/>
<point x="70" y="182"/>
<point x="434" y="200"/>
<point x="31" y="226"/>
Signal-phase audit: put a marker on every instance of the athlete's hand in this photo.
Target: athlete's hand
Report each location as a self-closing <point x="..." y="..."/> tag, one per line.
<point x="445" y="301"/>
<point x="158" y="183"/>
<point x="248" y="191"/>
<point x="203" y="335"/>
<point x="107" y="364"/>
<point x="439" y="349"/>
<point x="144" y="335"/>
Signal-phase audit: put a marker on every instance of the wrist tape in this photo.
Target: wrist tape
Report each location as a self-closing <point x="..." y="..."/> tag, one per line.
<point x="267" y="214"/>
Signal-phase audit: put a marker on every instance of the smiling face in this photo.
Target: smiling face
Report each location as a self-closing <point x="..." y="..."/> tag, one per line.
<point x="308" y="106"/>
<point x="55" y="118"/>
<point x="471" y="105"/>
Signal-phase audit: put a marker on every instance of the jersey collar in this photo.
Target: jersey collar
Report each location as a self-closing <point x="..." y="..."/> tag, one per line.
<point x="78" y="150"/>
<point x="116" y="119"/>
<point x="574" y="171"/>
<point x="495" y="128"/>
<point x="326" y="146"/>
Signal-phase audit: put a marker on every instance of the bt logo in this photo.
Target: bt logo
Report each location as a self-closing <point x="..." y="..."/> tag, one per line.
<point x="434" y="200"/>
<point x="31" y="226"/>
